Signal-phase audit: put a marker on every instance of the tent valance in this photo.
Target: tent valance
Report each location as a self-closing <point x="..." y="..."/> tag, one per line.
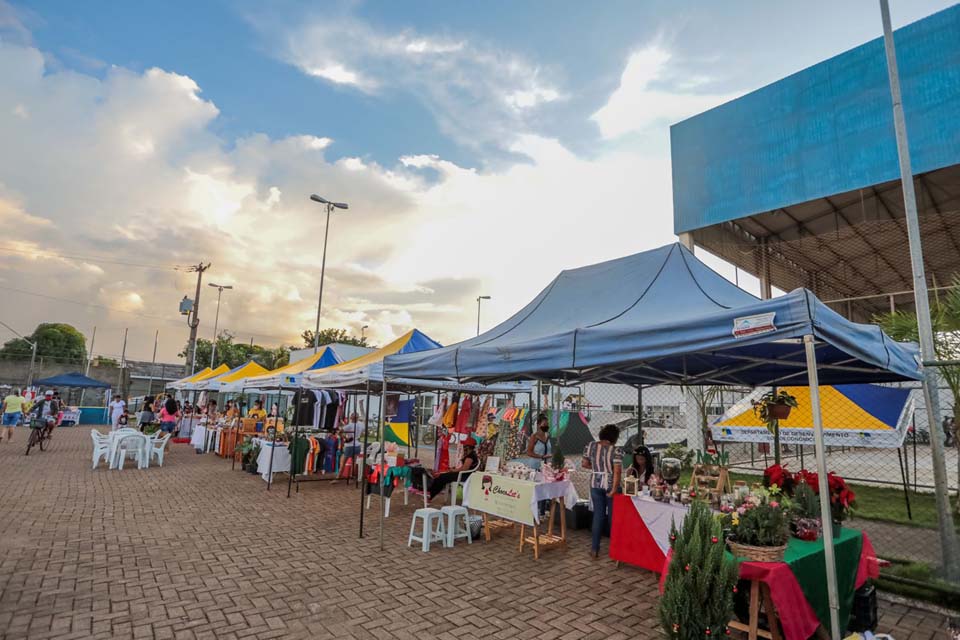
<point x="74" y="379"/>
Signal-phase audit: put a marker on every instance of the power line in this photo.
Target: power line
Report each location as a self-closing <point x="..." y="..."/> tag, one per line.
<point x="46" y="253"/>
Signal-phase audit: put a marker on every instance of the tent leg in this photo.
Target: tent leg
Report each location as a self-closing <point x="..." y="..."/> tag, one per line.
<point x="366" y="439"/>
<point x="828" y="551"/>
<point x="296" y="437"/>
<point x="382" y="427"/>
<point x="640" y="413"/>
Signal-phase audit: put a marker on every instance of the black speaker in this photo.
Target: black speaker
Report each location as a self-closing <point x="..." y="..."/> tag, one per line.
<point x="863" y="615"/>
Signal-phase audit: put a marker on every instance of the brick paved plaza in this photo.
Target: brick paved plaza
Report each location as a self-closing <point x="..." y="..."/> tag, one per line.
<point x="193" y="550"/>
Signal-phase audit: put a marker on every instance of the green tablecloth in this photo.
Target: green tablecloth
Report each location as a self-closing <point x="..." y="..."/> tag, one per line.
<point x="806" y="561"/>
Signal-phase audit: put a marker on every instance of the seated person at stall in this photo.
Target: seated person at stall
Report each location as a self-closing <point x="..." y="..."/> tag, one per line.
<point x="353" y="433"/>
<point x="539" y="446"/>
<point x="468" y="464"/>
<point x="257" y="413"/>
<point x="641" y="466"/>
<point x="231" y="412"/>
<point x="212" y="411"/>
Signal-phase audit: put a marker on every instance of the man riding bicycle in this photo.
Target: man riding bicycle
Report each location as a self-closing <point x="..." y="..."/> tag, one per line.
<point x="47" y="411"/>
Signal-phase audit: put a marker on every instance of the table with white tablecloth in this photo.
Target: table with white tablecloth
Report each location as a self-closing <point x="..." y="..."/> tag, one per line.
<point x="203" y="438"/>
<point x="281" y="458"/>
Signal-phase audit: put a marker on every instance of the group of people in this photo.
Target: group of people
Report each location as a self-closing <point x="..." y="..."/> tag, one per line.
<point x="18" y="406"/>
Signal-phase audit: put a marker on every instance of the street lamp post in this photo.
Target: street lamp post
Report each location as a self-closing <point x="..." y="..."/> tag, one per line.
<point x="479" y="298"/>
<point x="330" y="206"/>
<point x="363" y="331"/>
<point x="216" y="322"/>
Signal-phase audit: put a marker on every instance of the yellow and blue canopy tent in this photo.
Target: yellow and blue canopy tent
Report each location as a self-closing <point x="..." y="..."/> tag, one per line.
<point x="288" y="376"/>
<point x="854" y="415"/>
<point x="225" y="381"/>
<point x="199" y="376"/>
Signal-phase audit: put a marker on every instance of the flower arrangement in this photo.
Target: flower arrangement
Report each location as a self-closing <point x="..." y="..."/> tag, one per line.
<point x="759" y="526"/>
<point x="842" y="499"/>
<point x="771" y="407"/>
<point x="777" y="476"/>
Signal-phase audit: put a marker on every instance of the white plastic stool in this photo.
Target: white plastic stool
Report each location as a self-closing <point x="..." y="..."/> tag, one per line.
<point x="433" y="529"/>
<point x="452" y="512"/>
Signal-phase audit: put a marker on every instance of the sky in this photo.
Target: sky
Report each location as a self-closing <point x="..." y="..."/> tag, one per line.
<point x="482" y="148"/>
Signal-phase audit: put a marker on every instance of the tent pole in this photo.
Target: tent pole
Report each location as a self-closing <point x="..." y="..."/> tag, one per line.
<point x="825" y="513"/>
<point x="640" y="412"/>
<point x="296" y="437"/>
<point x="381" y="425"/>
<point x="906" y="483"/>
<point x="416" y="434"/>
<point x="363" y="458"/>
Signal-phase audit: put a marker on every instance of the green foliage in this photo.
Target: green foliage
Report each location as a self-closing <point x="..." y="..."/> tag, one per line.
<point x="806" y="504"/>
<point x="760" y="521"/>
<point x="945" y="318"/>
<point x="558" y="460"/>
<point x="54" y="340"/>
<point x="761" y="407"/>
<point x="234" y="354"/>
<point x="699" y="589"/>
<point x="329" y="336"/>
<point x="681" y="453"/>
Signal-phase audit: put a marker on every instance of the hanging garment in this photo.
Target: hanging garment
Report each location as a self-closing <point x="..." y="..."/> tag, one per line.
<point x="481" y="429"/>
<point x="442" y="461"/>
<point x="298" y="448"/>
<point x="474" y="415"/>
<point x="450" y="416"/>
<point x="330" y="454"/>
<point x="330" y="417"/>
<point x="463" y="416"/>
<point x="437" y="418"/>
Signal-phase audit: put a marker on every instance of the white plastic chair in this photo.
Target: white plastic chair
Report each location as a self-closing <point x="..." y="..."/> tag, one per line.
<point x="101" y="447"/>
<point x="453" y="511"/>
<point x="132" y="444"/>
<point x="433" y="528"/>
<point x="156" y="448"/>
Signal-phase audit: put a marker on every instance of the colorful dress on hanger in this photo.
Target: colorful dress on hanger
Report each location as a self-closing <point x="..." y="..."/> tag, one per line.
<point x="481" y="429"/>
<point x="442" y="461"/>
<point x="463" y="417"/>
<point x="450" y="416"/>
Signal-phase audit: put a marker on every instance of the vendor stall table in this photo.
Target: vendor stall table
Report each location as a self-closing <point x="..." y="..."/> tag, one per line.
<point x="640" y="530"/>
<point x="796" y="587"/>
<point x="281" y="458"/>
<point x="518" y="501"/>
<point x="203" y="438"/>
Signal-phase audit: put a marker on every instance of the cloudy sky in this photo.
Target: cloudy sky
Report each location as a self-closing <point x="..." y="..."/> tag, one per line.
<point x="481" y="147"/>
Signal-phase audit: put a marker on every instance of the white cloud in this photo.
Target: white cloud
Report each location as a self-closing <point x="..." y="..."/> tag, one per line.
<point x="479" y="94"/>
<point x="649" y="96"/>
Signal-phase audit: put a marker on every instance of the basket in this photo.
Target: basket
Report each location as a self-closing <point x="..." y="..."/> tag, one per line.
<point x="757" y="554"/>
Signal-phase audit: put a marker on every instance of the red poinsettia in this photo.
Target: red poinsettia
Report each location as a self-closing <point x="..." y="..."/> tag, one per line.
<point x="842" y="499"/>
<point x="777" y="475"/>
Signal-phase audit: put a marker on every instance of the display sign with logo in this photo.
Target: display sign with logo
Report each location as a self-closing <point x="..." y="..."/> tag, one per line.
<point x="747" y="326"/>
<point x="502" y="496"/>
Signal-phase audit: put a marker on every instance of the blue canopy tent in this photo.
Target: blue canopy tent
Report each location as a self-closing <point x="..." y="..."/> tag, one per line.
<point x="75" y="379"/>
<point x="664" y="317"/>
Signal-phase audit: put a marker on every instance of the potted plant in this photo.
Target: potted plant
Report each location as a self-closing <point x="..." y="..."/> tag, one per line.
<point x="842" y="499"/>
<point x="252" y="460"/>
<point x="759" y="528"/>
<point x="773" y="406"/>
<point x="244" y="448"/>
<point x="777" y="476"/>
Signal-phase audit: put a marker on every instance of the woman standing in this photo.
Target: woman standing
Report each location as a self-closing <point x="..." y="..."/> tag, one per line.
<point x="604" y="458"/>
<point x="539" y="447"/>
<point x="169" y="414"/>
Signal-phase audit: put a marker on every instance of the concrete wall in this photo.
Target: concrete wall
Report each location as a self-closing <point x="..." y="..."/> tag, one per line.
<point x="825" y="130"/>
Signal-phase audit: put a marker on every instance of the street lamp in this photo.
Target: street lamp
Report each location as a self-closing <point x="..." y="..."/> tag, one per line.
<point x="216" y="322"/>
<point x="33" y="351"/>
<point x="479" y="298"/>
<point x="363" y="330"/>
<point x="323" y="264"/>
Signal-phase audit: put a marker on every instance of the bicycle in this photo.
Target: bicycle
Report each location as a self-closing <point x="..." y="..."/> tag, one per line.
<point x="41" y="432"/>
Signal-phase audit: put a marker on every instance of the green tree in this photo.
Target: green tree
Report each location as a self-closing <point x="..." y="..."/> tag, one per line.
<point x="945" y="317"/>
<point x="53" y="339"/>
<point x="233" y="354"/>
<point x="697" y="601"/>
<point x="329" y="336"/>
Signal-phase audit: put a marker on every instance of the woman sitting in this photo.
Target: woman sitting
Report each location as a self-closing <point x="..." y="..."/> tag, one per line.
<point x="257" y="413"/>
<point x="468" y="464"/>
<point x="641" y="466"/>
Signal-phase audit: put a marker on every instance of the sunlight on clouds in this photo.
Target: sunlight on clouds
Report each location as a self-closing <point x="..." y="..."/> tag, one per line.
<point x="215" y="198"/>
<point x="339" y="74"/>
<point x="639" y="104"/>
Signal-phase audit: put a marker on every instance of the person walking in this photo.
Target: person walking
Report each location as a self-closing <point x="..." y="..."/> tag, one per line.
<point x="117" y="409"/>
<point x="12" y="413"/>
<point x="605" y="459"/>
<point x="169" y="414"/>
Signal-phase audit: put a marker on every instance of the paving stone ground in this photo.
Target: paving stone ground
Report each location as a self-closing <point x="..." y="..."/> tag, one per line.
<point x="195" y="550"/>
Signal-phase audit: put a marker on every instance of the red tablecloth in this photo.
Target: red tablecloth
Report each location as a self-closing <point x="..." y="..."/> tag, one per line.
<point x="797" y="617"/>
<point x="631" y="540"/>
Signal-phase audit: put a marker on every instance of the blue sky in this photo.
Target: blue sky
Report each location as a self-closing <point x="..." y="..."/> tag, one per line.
<point x="483" y="146"/>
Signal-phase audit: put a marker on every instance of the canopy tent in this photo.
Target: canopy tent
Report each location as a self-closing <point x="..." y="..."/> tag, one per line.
<point x="356" y="374"/>
<point x="178" y="384"/>
<point x="664" y="317"/>
<point x="289" y="376"/>
<point x="854" y="415"/>
<point x="225" y="381"/>
<point x="202" y="376"/>
<point x="74" y="379"/>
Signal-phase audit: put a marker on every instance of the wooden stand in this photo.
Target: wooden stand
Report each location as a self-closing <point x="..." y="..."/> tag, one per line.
<point x="759" y="598"/>
<point x="717" y="485"/>
<point x="491" y="526"/>
<point x="546" y="540"/>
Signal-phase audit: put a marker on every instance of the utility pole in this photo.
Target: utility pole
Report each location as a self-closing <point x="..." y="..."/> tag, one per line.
<point x="193" y="318"/>
<point x="123" y="365"/>
<point x="153" y="362"/>
<point x="931" y="375"/>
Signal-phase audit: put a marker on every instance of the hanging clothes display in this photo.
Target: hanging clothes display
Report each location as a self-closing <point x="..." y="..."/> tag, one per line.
<point x="299" y="448"/>
<point x="442" y="461"/>
<point x="330" y="415"/>
<point x="482" y="422"/>
<point x="450" y="415"/>
<point x="463" y="416"/>
<point x="474" y="415"/>
<point x="436" y="420"/>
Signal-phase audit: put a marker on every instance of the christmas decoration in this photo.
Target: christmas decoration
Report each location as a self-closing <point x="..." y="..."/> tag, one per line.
<point x="703" y="599"/>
